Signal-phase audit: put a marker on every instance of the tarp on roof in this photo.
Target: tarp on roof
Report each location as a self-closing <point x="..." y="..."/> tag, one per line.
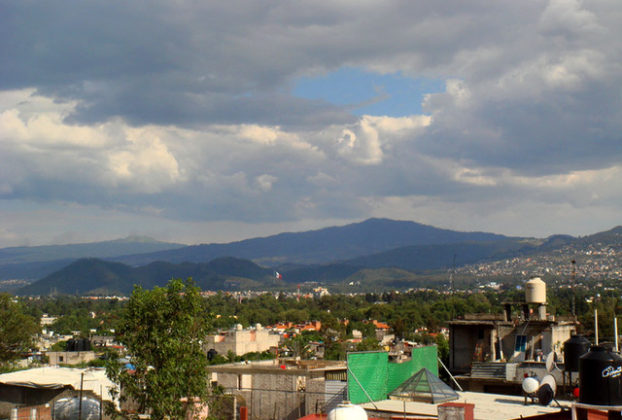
<point x="424" y="386"/>
<point x="52" y="377"/>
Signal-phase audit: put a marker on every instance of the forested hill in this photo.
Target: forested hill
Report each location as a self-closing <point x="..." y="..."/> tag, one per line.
<point x="95" y="276"/>
<point x="320" y="246"/>
<point x="398" y="267"/>
<point x="413" y="259"/>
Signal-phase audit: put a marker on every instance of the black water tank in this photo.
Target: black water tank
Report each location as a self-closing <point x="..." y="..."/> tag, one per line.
<point x="82" y="344"/>
<point x="71" y="345"/>
<point x="575" y="347"/>
<point x="600" y="377"/>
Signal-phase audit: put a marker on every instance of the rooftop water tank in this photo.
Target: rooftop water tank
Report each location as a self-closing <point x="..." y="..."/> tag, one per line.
<point x="347" y="411"/>
<point x="600" y="377"/>
<point x="575" y="347"/>
<point x="535" y="291"/>
<point x="68" y="408"/>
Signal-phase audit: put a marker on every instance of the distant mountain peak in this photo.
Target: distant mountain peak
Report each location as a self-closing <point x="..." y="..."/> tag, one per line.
<point x="141" y="239"/>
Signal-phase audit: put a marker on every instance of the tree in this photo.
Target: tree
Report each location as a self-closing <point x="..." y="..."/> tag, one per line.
<point x="17" y="329"/>
<point x="163" y="330"/>
<point x="368" y="344"/>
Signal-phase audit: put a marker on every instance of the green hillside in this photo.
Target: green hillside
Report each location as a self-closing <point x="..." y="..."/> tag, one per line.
<point x="95" y="276"/>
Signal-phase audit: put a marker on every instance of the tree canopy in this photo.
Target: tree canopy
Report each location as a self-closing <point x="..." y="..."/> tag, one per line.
<point x="163" y="330"/>
<point x="17" y="329"/>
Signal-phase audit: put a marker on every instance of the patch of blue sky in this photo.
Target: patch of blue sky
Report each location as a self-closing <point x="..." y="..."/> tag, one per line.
<point x="367" y="93"/>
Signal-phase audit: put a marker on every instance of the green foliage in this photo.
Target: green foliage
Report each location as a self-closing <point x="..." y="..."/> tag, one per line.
<point x="74" y="313"/>
<point x="334" y="350"/>
<point x="98" y="277"/>
<point x="97" y="363"/>
<point x="219" y="359"/>
<point x="17" y="329"/>
<point x="299" y="346"/>
<point x="59" y="346"/>
<point x="163" y="331"/>
<point x="442" y="346"/>
<point x="368" y="344"/>
<point x="366" y="328"/>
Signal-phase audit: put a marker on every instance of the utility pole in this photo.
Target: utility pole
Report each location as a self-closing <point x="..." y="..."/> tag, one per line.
<point x="80" y="402"/>
<point x="572" y="285"/>
<point x="451" y="275"/>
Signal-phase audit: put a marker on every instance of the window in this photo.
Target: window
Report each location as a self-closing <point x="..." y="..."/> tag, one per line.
<point x="521" y="343"/>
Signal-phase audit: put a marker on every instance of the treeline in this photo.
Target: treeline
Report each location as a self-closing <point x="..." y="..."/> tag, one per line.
<point x="404" y="312"/>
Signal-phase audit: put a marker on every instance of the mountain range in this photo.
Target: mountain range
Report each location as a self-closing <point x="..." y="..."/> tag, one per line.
<point x="373" y="249"/>
<point x="319" y="246"/>
<point x="34" y="262"/>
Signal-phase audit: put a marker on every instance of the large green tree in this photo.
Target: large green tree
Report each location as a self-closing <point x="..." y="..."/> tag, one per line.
<point x="163" y="330"/>
<point x="17" y="329"/>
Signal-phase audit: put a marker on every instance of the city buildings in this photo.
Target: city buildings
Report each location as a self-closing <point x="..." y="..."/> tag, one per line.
<point x="241" y="341"/>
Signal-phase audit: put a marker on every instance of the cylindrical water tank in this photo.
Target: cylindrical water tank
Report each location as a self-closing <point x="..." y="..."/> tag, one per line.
<point x="68" y="408"/>
<point x="575" y="347"/>
<point x="347" y="411"/>
<point x="535" y="291"/>
<point x="530" y="385"/>
<point x="600" y="377"/>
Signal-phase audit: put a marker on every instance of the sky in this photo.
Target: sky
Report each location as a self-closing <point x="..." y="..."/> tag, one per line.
<point x="212" y="121"/>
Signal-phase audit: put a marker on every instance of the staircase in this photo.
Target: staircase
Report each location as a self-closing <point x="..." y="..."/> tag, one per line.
<point x="488" y="370"/>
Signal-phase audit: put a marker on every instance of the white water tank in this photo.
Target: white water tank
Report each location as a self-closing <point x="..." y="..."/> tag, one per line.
<point x="535" y="291"/>
<point x="347" y="411"/>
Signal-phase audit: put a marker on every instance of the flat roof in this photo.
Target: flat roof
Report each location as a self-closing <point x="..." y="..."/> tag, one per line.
<point x="490" y="323"/>
<point x="304" y="368"/>
<point x="95" y="379"/>
<point x="487" y="406"/>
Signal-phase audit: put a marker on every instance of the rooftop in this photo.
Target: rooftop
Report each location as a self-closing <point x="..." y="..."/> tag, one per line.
<point x="285" y="367"/>
<point x="52" y="377"/>
<point x="487" y="406"/>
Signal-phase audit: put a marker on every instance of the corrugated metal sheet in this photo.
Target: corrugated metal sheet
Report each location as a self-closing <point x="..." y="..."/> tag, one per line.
<point x="340" y="375"/>
<point x="336" y="393"/>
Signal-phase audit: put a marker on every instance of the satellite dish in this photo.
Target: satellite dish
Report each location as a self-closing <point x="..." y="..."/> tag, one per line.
<point x="550" y="380"/>
<point x="530" y="385"/>
<point x="551" y="361"/>
<point x="546" y="392"/>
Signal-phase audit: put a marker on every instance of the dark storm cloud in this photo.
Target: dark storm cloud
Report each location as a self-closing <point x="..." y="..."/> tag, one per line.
<point x="183" y="62"/>
<point x="156" y="62"/>
<point x="148" y="104"/>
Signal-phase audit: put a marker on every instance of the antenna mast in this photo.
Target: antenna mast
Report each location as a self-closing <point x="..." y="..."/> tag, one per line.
<point x="572" y="285"/>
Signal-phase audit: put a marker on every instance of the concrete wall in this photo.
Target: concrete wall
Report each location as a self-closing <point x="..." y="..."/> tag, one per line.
<point x="560" y="335"/>
<point x="315" y="396"/>
<point x="41" y="412"/>
<point x="463" y="341"/>
<point x="542" y="337"/>
<point x="241" y="342"/>
<point x="70" y="357"/>
<point x="274" y="395"/>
